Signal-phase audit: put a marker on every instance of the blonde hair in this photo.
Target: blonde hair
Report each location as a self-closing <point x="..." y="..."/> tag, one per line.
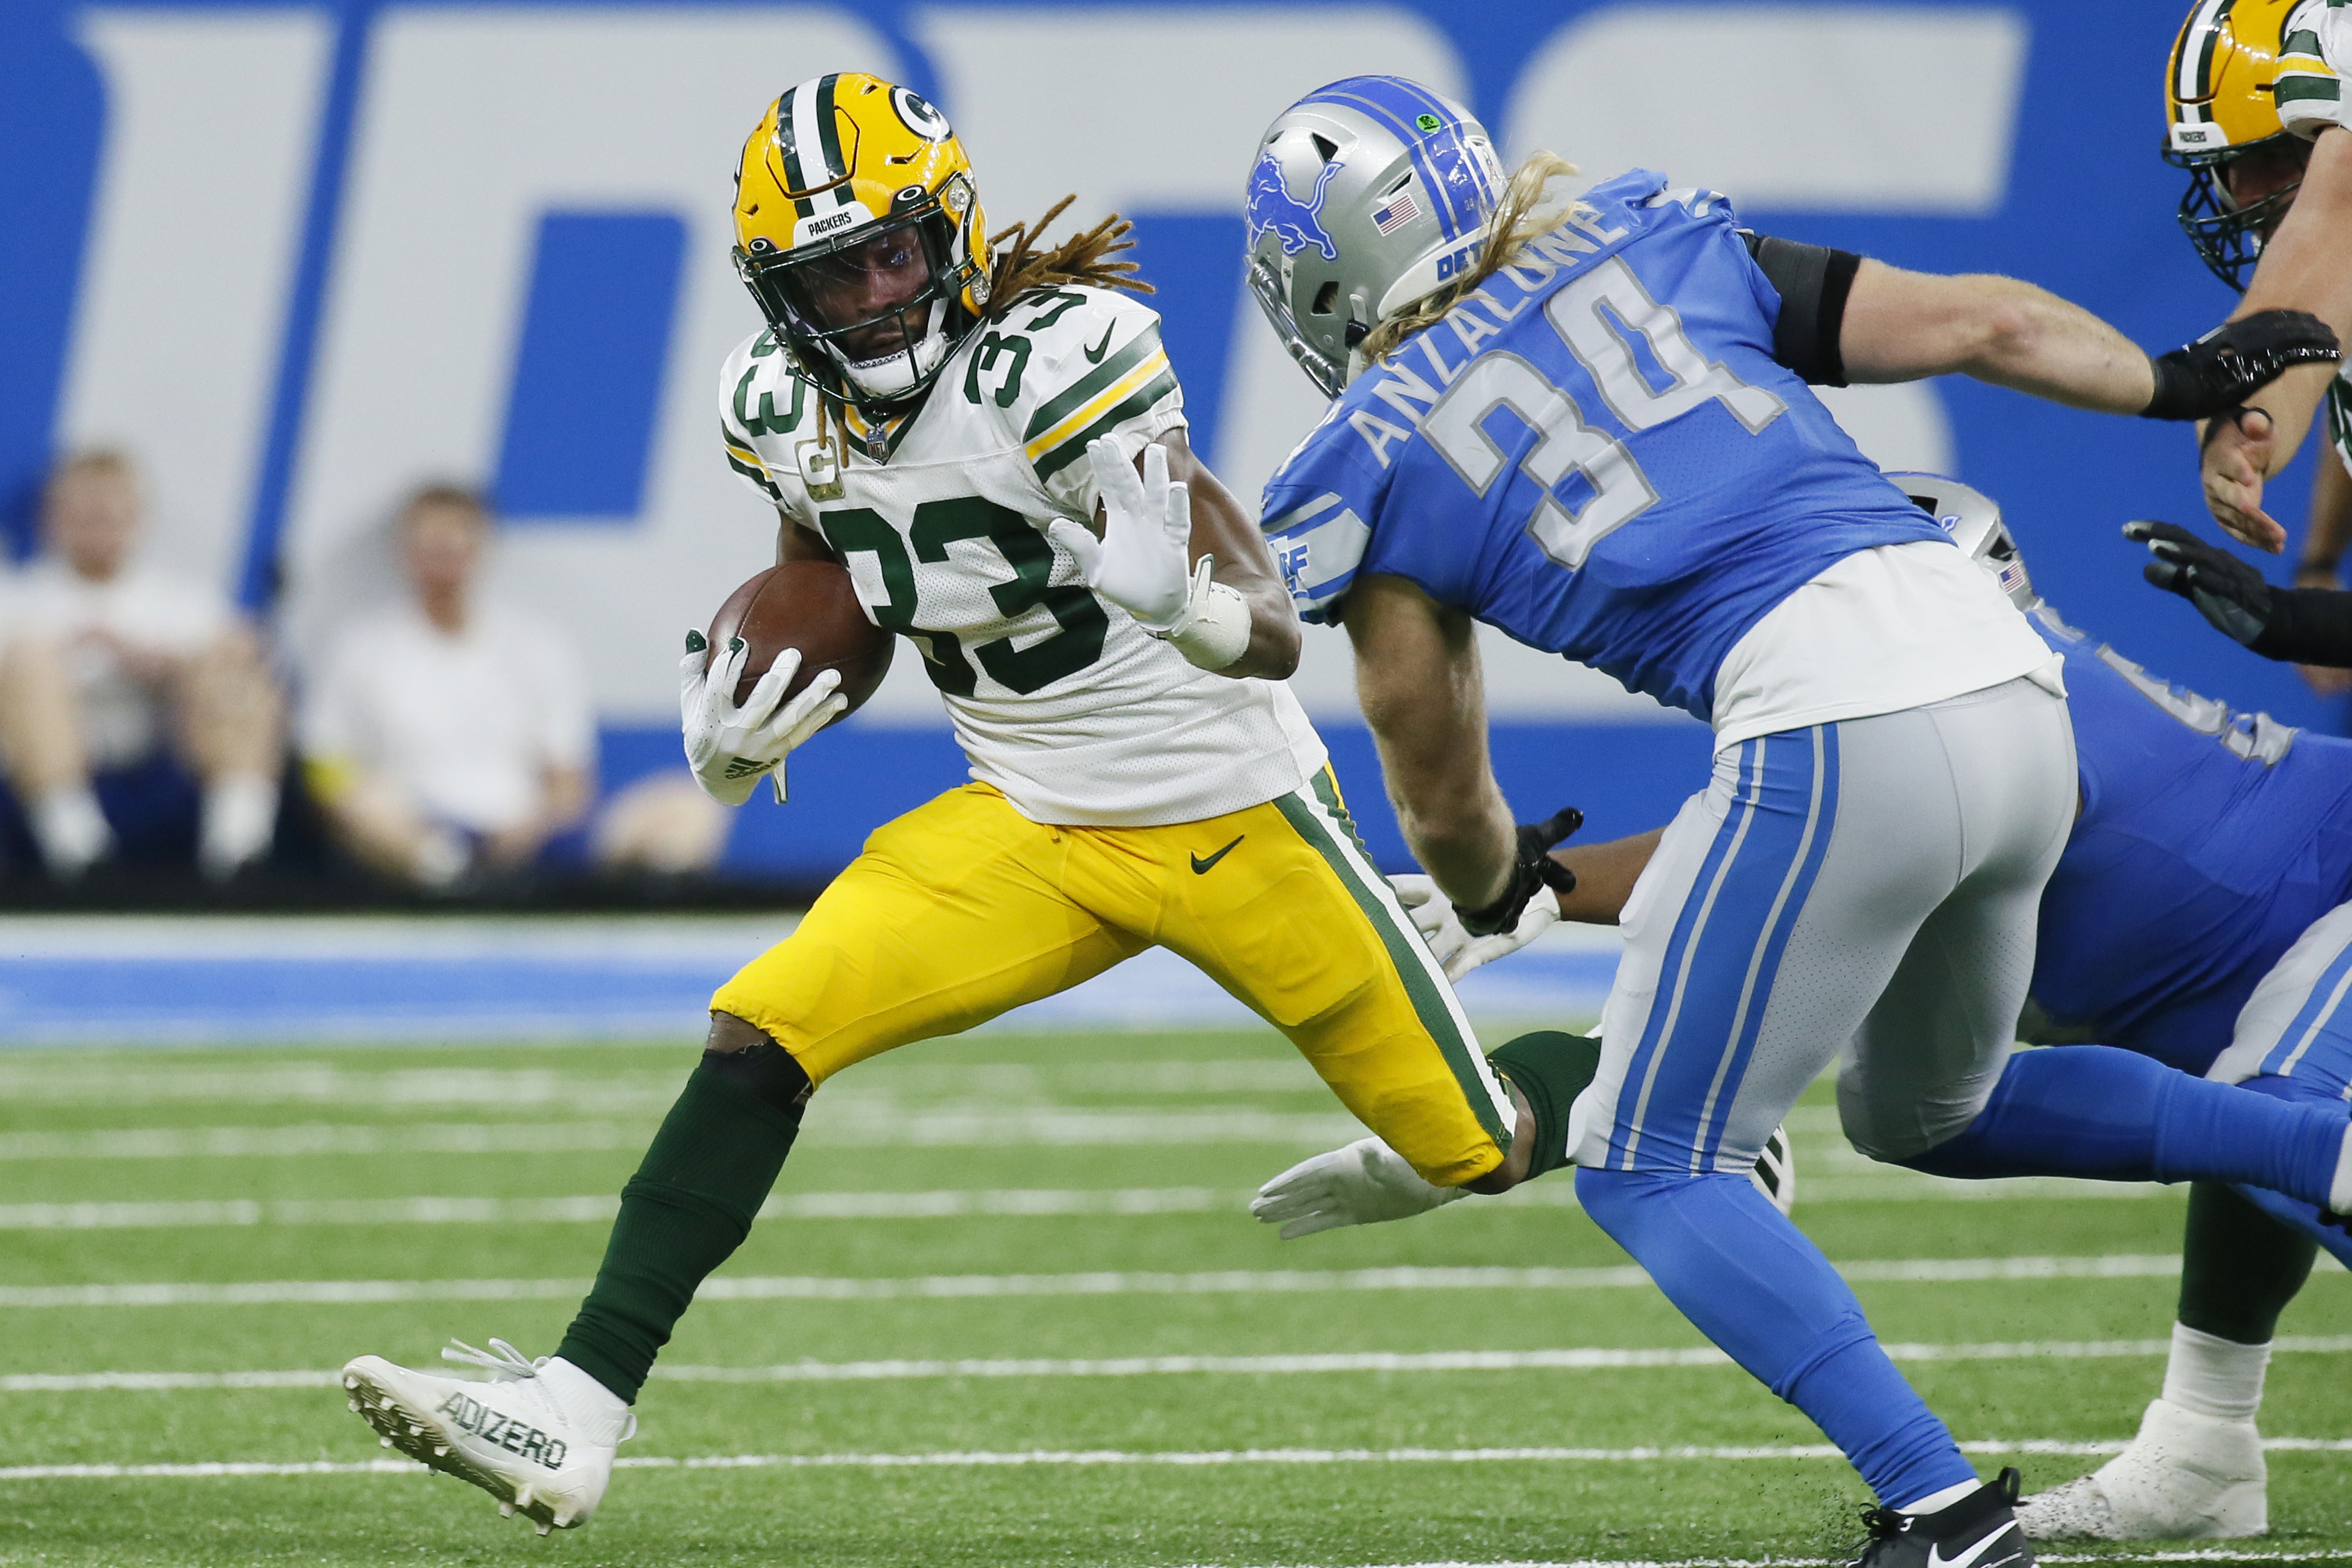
<point x="104" y="462"/>
<point x="1084" y="258"/>
<point x="1519" y="216"/>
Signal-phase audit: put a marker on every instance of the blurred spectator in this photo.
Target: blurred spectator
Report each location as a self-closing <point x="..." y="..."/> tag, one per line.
<point x="449" y="737"/>
<point x="137" y="714"/>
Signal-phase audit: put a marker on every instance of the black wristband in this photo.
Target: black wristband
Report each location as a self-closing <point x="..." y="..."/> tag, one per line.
<point x="1532" y="869"/>
<point x="2308" y="626"/>
<point x="2178" y="389"/>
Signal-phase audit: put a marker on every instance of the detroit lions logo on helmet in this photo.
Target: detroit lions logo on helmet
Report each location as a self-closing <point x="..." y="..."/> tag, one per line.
<point x="1272" y="208"/>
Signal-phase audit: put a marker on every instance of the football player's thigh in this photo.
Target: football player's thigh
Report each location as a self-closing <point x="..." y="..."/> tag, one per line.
<point x="1295" y="921"/>
<point x="954" y="913"/>
<point x="2298" y="1023"/>
<point x="1935" y="1043"/>
<point x="1756" y="942"/>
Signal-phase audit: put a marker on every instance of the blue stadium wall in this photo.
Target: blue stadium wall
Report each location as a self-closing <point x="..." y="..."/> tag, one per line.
<point x="2020" y="140"/>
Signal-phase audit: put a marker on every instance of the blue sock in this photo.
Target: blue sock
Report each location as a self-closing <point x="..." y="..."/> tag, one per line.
<point x="1752" y="1283"/>
<point x="2115" y="1115"/>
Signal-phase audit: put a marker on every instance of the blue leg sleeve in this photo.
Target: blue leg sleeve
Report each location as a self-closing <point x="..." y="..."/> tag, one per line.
<point x="2113" y="1115"/>
<point x="2294" y="1213"/>
<point x="1756" y="1287"/>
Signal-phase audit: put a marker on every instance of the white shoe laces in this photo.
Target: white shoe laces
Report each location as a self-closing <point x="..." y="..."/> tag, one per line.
<point x="504" y="1363"/>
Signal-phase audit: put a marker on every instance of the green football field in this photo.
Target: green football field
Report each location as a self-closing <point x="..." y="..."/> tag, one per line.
<point x="1006" y="1307"/>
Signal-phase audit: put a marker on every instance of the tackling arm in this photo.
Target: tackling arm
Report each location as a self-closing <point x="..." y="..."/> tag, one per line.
<point x="1418" y="682"/>
<point x="1904" y="326"/>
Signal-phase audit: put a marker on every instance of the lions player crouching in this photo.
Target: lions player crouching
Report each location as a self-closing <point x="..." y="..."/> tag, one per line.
<point x="931" y="415"/>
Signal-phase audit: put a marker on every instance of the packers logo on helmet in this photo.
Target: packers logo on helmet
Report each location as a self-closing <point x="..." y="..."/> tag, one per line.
<point x="859" y="231"/>
<point x="2232" y="69"/>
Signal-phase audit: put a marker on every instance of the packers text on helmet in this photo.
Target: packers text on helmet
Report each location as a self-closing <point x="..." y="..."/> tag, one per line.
<point x="2221" y="96"/>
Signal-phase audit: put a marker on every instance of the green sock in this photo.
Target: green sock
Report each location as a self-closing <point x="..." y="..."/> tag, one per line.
<point x="1551" y="1069"/>
<point x="2239" y="1267"/>
<point x="687" y="1209"/>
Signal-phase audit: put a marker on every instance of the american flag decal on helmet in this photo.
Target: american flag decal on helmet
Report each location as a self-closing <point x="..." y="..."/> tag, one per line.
<point x="1402" y="210"/>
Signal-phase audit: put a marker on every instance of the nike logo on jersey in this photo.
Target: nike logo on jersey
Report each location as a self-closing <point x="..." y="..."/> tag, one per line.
<point x="505" y="1431"/>
<point x="1973" y="1557"/>
<point x="1095" y="354"/>
<point x="1201" y="867"/>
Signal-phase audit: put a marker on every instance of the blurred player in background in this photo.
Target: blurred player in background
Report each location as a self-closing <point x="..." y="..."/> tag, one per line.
<point x="2257" y="114"/>
<point x="137" y="717"/>
<point x="932" y="416"/>
<point x="1589" y="426"/>
<point x="447" y="736"/>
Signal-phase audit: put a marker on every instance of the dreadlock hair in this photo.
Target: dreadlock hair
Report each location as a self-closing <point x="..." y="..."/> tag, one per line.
<point x="1520" y="217"/>
<point x="1022" y="269"/>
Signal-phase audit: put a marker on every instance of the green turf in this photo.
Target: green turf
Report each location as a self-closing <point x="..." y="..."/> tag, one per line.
<point x="970" y="1100"/>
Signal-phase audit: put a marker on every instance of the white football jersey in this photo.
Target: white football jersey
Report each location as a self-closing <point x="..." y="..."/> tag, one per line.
<point x="1059" y="699"/>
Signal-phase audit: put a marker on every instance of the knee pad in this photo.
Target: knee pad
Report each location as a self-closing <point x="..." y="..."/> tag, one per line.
<point x="746" y="1057"/>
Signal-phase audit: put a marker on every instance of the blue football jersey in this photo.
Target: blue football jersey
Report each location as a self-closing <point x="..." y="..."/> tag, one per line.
<point x="1595" y="452"/>
<point x="2209" y="840"/>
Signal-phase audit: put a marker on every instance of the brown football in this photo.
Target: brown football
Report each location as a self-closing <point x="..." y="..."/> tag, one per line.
<point x="810" y="605"/>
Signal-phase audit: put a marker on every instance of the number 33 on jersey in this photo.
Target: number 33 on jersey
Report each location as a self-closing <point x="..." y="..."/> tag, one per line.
<point x="1059" y="699"/>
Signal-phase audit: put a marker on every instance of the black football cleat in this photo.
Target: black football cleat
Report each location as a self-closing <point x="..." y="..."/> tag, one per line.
<point x="1981" y="1530"/>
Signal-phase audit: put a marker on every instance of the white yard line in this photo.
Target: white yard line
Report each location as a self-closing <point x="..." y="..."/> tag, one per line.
<point x="1577" y="1359"/>
<point x="1089" y="1457"/>
<point x="1226" y="1281"/>
<point x="869" y="1123"/>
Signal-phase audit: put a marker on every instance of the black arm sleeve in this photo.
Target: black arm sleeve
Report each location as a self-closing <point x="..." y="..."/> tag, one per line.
<point x="1812" y="281"/>
<point x="2308" y="626"/>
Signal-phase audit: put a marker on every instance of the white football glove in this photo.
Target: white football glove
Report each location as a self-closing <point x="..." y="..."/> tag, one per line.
<point x="1139" y="564"/>
<point x="1368" y="1182"/>
<point x="1143" y="563"/>
<point x="1456" y="949"/>
<point x="727" y="747"/>
<point x="1362" y="1184"/>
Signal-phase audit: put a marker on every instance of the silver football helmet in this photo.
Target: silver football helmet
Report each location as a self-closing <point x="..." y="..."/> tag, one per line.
<point x="1366" y="195"/>
<point x="1973" y="519"/>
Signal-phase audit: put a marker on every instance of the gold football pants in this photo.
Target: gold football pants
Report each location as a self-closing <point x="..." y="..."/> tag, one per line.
<point x="963" y="908"/>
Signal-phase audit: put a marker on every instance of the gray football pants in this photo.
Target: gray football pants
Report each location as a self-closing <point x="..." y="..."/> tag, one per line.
<point x="1870" y="886"/>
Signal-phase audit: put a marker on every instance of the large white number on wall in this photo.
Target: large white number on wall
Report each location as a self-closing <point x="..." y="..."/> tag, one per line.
<point x="210" y="123"/>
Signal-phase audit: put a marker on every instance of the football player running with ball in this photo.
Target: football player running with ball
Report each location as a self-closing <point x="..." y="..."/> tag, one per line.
<point x="932" y="417"/>
<point x="1588" y="423"/>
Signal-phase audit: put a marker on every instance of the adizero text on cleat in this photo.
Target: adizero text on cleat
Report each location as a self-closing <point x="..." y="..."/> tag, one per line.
<point x="538" y="1437"/>
<point x="1981" y="1530"/>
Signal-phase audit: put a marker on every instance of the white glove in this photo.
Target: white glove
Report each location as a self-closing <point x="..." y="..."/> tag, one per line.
<point x="1456" y="949"/>
<point x="729" y="747"/>
<point x="1362" y="1184"/>
<point x="1143" y="562"/>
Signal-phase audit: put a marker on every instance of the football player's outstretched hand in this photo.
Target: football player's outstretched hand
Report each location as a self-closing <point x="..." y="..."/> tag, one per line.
<point x="1364" y="1183"/>
<point x="729" y="747"/>
<point x="1143" y="563"/>
<point x="2226" y="590"/>
<point x="1455" y="949"/>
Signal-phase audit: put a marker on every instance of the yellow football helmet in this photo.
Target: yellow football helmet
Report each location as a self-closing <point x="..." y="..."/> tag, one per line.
<point x="2220" y="98"/>
<point x="858" y="229"/>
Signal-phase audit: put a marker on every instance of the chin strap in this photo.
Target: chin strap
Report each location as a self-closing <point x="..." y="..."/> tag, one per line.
<point x="1212" y="628"/>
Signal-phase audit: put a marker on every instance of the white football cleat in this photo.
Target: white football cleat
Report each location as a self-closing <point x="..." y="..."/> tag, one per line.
<point x="537" y="1435"/>
<point x="2186" y="1477"/>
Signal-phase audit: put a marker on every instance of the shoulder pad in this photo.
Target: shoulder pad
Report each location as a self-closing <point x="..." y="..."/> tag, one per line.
<point x="1065" y="366"/>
